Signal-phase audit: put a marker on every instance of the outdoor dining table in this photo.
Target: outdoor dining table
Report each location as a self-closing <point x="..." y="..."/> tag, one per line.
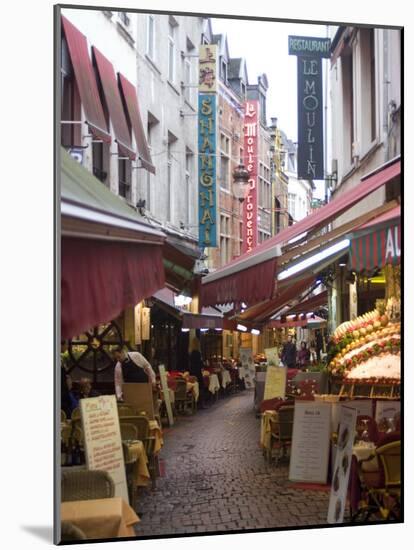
<point x="101" y="518"/>
<point x="266" y="429"/>
<point x="225" y="378"/>
<point x="212" y="382"/>
<point x="155" y="431"/>
<point x="136" y="456"/>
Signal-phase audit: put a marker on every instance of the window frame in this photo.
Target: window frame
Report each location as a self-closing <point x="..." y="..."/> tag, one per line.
<point x="151" y="37"/>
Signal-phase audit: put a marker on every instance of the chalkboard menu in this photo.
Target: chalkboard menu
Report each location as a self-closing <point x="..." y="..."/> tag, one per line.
<point x="310" y="442"/>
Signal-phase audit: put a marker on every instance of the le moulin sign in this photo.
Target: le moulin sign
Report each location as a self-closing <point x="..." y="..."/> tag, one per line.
<point x="310" y="52"/>
<point x="207" y="145"/>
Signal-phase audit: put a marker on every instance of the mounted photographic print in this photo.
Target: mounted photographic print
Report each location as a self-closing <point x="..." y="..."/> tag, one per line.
<point x="228" y="195"/>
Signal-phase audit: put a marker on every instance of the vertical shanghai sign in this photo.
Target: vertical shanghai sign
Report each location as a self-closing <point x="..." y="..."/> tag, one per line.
<point x="207" y="145"/>
<point x="251" y="147"/>
<point x="309" y="52"/>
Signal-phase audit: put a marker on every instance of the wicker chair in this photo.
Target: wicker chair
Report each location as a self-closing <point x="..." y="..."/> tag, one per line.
<point x="63" y="416"/>
<point x="124" y="409"/>
<point x="143" y="434"/>
<point x="381" y="494"/>
<point x="183" y="398"/>
<point x="128" y="431"/>
<point x="282" y="429"/>
<point x="70" y="532"/>
<point x="86" y="485"/>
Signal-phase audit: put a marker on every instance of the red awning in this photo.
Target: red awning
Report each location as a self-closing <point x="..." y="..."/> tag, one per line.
<point x="376" y="243"/>
<point x="101" y="278"/>
<point x="263" y="312"/>
<point x="208" y="318"/>
<point x="290" y="323"/>
<point x="85" y="79"/>
<point x="114" y="103"/>
<point x="239" y="280"/>
<point x="131" y="101"/>
<point x="251" y="285"/>
<point x="193" y="320"/>
<point x="311" y="304"/>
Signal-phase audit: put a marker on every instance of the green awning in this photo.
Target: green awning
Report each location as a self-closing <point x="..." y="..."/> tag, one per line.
<point x="84" y="197"/>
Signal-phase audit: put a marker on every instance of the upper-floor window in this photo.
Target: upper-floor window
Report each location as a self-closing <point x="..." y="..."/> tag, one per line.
<point x="171" y="51"/>
<point x="71" y="129"/>
<point x="188" y="91"/>
<point x="292" y="205"/>
<point x="123" y="16"/>
<point x="189" y="161"/>
<point x="151" y="36"/>
<point x="223" y="70"/>
<point x="124" y="178"/>
<point x="225" y="239"/>
<point x="347" y="64"/>
<point x="224" y="161"/>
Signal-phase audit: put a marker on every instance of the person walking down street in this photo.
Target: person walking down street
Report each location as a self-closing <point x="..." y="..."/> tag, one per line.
<point x="131" y="366"/>
<point x="303" y="358"/>
<point x="288" y="355"/>
<point x="319" y="345"/>
<point x="196" y="369"/>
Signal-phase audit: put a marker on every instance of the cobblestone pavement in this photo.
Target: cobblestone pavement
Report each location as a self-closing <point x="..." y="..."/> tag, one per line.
<point x="216" y="478"/>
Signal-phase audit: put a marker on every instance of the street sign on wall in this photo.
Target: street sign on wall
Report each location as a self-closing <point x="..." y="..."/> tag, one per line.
<point x="251" y="148"/>
<point x="309" y="52"/>
<point x="207" y="197"/>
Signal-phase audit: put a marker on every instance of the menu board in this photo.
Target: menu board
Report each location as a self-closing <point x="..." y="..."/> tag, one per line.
<point x="166" y="393"/>
<point x="272" y="356"/>
<point x="275" y="385"/>
<point x="248" y="370"/>
<point x="103" y="443"/>
<point x="363" y="407"/>
<point x="310" y="442"/>
<point x="342" y="465"/>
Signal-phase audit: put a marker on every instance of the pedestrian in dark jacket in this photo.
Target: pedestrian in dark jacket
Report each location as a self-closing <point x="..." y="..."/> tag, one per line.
<point x="288" y="355"/>
<point x="196" y="369"/>
<point x="303" y="356"/>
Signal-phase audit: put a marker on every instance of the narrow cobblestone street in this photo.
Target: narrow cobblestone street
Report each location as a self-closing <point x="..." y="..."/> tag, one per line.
<point x="216" y="479"/>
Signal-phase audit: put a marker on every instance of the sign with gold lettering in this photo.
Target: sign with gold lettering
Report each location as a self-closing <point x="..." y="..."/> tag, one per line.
<point x="207" y="204"/>
<point x="207" y="76"/>
<point x="251" y="148"/>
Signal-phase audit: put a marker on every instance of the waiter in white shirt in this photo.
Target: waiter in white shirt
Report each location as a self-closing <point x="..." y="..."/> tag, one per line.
<point x="131" y="366"/>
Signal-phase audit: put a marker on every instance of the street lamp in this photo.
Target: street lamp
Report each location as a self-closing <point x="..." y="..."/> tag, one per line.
<point x="240" y="182"/>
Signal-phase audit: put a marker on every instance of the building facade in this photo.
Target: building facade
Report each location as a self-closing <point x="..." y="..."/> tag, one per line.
<point x="365" y="83"/>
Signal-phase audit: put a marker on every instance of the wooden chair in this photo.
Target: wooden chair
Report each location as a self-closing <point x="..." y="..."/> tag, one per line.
<point x="86" y="485"/>
<point x="282" y="428"/>
<point x="183" y="398"/>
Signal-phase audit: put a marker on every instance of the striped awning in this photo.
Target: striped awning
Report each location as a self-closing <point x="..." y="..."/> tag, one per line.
<point x="377" y="243"/>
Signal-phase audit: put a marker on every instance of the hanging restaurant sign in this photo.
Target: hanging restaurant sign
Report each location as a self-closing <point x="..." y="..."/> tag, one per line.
<point x="207" y="204"/>
<point x="376" y="248"/>
<point x="309" y="52"/>
<point x="251" y="141"/>
<point x="207" y="72"/>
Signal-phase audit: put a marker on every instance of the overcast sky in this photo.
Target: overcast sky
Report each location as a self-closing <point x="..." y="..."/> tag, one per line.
<point x="264" y="45"/>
